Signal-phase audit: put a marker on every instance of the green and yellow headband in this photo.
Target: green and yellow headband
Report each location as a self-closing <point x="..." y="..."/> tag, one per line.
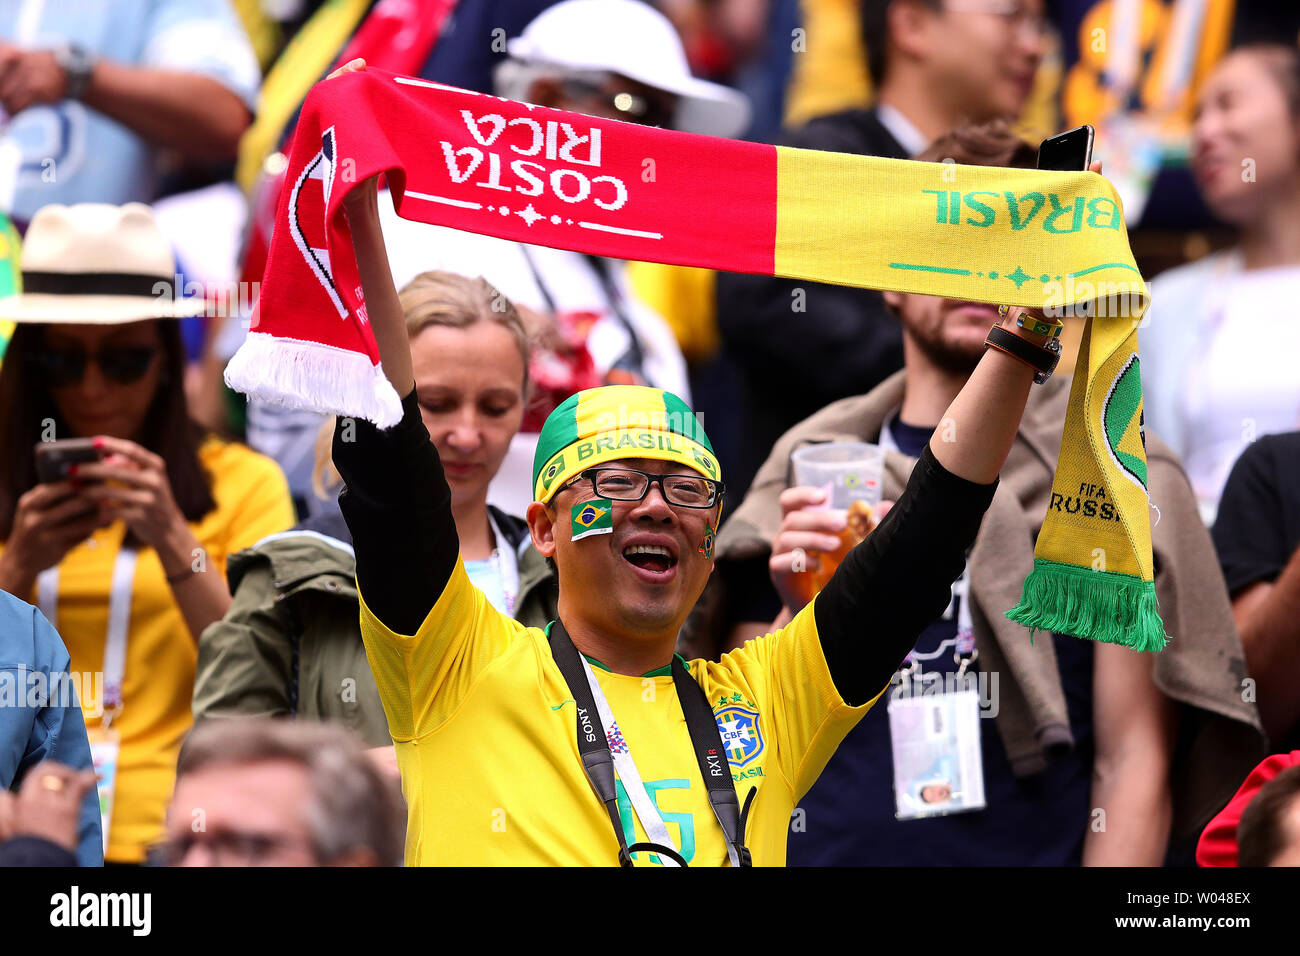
<point x="618" y="421"/>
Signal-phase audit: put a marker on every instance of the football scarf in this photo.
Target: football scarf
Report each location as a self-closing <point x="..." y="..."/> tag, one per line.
<point x="526" y="173"/>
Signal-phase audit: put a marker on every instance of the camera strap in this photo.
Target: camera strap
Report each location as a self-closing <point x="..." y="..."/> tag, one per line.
<point x="598" y="757"/>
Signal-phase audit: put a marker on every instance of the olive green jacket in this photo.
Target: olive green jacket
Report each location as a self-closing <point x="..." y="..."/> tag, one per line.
<point x="290" y="645"/>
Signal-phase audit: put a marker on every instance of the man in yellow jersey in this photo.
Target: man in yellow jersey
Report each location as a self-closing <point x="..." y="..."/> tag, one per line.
<point x="589" y="742"/>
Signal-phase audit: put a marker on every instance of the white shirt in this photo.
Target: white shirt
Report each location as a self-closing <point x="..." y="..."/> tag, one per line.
<point x="1220" y="352"/>
<point x="902" y="129"/>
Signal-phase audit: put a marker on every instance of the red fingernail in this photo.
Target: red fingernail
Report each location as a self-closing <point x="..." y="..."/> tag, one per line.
<point x="72" y="471"/>
<point x="97" y="442"/>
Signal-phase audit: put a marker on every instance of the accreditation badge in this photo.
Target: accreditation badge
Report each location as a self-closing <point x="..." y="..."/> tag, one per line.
<point x="938" y="762"/>
<point x="105" y="747"/>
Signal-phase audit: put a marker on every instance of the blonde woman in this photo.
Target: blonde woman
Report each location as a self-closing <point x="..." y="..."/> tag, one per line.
<point x="291" y="643"/>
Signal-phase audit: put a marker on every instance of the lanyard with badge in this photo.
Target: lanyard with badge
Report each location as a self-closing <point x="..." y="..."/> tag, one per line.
<point x="934" y="730"/>
<point x="604" y="751"/>
<point x="105" y="742"/>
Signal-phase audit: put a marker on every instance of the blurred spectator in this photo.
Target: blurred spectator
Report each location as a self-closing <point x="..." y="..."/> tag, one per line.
<point x="125" y="549"/>
<point x="830" y="73"/>
<point x="10" y="273"/>
<point x="747" y="44"/>
<point x="934" y="63"/>
<point x="474" y="42"/>
<point x="1206" y="388"/>
<point x="93" y="88"/>
<point x="1268" y="836"/>
<point x="40" y="719"/>
<point x="1133" y="70"/>
<point x="395" y="35"/>
<point x="44" y="824"/>
<point x="291" y="641"/>
<point x="1257" y="533"/>
<point x="274" y="793"/>
<point x="1070" y="726"/>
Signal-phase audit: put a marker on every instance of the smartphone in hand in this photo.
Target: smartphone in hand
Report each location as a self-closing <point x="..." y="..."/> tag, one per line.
<point x="53" y="458"/>
<point x="1068" y="151"/>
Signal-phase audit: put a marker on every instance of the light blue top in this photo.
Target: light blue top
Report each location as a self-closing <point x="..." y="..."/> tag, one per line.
<point x="486" y="576"/>
<point x="70" y="153"/>
<point x="40" y="716"/>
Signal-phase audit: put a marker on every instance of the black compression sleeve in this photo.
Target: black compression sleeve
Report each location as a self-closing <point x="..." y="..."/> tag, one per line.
<point x="893" y="584"/>
<point x="398" y="508"/>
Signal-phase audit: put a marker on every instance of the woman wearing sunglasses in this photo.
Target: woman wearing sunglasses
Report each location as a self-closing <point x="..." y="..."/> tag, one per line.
<point x="121" y="538"/>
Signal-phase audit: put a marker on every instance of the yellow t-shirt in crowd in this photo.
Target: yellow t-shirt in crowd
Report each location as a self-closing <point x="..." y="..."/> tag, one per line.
<point x="252" y="501"/>
<point x="486" y="737"/>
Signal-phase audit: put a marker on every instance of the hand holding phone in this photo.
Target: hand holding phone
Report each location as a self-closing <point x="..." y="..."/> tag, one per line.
<point x="49" y="521"/>
<point x="1069" y="151"/>
<point x="54" y="458"/>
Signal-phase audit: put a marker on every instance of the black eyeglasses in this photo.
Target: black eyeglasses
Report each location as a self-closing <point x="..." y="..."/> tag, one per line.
<point x="121" y="364"/>
<point x="628" y="484"/>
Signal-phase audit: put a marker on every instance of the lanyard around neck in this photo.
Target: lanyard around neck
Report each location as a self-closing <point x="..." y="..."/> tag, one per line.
<point x="119" y="621"/>
<point x="598" y="762"/>
<point x="627" y="771"/>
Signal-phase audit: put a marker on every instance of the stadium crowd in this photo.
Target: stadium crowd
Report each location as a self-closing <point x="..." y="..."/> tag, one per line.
<point x="235" y="633"/>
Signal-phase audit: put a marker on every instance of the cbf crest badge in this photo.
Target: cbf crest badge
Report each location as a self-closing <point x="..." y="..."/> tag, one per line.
<point x="741" y="737"/>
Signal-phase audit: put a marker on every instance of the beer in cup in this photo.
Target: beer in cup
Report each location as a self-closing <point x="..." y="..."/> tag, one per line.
<point x="850" y="473"/>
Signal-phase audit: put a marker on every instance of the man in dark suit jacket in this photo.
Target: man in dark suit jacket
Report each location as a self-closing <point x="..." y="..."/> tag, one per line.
<point x="799" y="346"/>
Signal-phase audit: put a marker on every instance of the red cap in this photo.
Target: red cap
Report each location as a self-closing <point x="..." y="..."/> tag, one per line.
<point x="1218" y="843"/>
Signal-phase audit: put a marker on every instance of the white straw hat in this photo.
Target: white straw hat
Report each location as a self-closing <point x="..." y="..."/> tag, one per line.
<point x="633" y="39"/>
<point x="98" y="264"/>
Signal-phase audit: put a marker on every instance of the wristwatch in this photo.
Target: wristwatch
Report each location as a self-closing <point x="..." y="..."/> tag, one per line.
<point x="77" y="65"/>
<point x="1042" y="359"/>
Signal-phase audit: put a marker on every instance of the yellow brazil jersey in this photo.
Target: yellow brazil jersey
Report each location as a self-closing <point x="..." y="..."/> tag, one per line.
<point x="485" y="730"/>
<point x="158" y="680"/>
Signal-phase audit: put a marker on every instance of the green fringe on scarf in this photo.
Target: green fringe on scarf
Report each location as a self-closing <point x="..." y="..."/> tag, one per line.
<point x="1108" y="607"/>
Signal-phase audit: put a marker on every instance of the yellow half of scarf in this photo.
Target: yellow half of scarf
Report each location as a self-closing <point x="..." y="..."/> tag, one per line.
<point x="1054" y="241"/>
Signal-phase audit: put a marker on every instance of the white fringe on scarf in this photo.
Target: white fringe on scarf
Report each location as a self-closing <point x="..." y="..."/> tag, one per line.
<point x="312" y="376"/>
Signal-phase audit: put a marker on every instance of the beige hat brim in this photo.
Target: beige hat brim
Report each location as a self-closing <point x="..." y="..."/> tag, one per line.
<point x="95" y="309"/>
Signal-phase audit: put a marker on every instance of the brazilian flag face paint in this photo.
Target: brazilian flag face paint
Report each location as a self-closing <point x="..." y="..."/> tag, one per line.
<point x="706" y="542"/>
<point x="591" y="518"/>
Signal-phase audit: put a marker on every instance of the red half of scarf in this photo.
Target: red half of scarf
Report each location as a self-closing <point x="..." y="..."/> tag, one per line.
<point x="486" y="165"/>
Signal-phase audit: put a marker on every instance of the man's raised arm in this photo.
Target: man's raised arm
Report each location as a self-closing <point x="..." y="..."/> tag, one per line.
<point x="396" y="500"/>
<point x="899" y="579"/>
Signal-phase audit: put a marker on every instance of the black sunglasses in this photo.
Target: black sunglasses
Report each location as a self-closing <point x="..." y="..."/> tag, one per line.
<point x="629" y="107"/>
<point x="121" y="364"/>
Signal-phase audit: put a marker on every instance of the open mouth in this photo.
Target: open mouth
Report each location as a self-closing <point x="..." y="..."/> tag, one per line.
<point x="653" y="558"/>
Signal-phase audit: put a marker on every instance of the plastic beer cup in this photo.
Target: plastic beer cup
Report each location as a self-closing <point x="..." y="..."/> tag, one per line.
<point x="851" y="474"/>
